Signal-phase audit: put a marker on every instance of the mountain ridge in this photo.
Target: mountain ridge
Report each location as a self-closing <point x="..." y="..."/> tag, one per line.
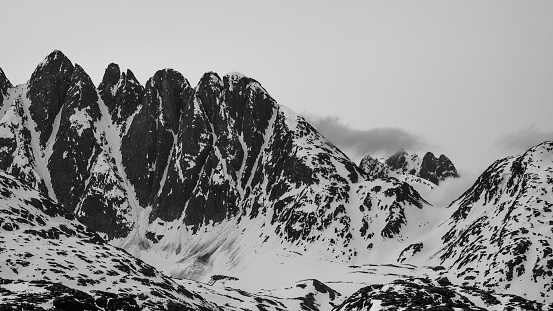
<point x="404" y="165"/>
<point x="215" y="179"/>
<point x="222" y="151"/>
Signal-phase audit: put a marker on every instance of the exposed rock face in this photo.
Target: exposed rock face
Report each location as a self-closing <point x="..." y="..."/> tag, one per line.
<point x="47" y="89"/>
<point x="436" y="169"/>
<point x="76" y="145"/>
<point x="121" y="93"/>
<point x="149" y="140"/>
<point x="104" y="205"/>
<point x="404" y="162"/>
<point x="374" y="168"/>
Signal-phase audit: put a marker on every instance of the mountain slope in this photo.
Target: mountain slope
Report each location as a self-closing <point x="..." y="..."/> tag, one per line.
<point x="43" y="247"/>
<point x="499" y="234"/>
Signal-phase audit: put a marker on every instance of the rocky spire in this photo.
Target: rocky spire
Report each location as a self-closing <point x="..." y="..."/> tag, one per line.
<point x="147" y="145"/>
<point x="121" y="93"/>
<point x="46" y="90"/>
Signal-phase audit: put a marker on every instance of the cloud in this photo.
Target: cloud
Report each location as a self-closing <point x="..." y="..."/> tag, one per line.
<point x="449" y="189"/>
<point x="524" y="139"/>
<point x="358" y="143"/>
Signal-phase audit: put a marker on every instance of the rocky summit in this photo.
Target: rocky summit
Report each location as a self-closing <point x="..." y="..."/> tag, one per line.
<point x="218" y="184"/>
<point x="429" y="171"/>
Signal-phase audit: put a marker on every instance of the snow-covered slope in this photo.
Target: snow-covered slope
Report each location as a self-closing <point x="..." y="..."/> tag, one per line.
<point x="43" y="247"/>
<point x="499" y="234"/>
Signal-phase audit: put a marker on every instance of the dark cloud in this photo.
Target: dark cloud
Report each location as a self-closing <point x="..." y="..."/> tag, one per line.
<point x="361" y="142"/>
<point x="524" y="139"/>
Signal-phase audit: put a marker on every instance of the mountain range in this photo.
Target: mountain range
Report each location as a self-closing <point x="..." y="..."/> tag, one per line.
<point x="429" y="171"/>
<point x="219" y="184"/>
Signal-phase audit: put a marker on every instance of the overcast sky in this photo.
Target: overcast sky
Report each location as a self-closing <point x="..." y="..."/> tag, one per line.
<point x="470" y="79"/>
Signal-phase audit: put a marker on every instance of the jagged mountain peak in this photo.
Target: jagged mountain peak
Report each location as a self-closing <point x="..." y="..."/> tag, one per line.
<point x="429" y="156"/>
<point x="236" y="79"/>
<point x="82" y="94"/>
<point x="46" y="90"/>
<point x="56" y="63"/>
<point x="373" y="167"/>
<point x="168" y="90"/>
<point x="430" y="170"/>
<point x="443" y="158"/>
<point x="122" y="93"/>
<point x="404" y="162"/>
<point x="112" y="75"/>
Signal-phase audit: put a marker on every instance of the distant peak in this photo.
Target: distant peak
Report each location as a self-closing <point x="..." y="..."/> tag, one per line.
<point x="429" y="155"/>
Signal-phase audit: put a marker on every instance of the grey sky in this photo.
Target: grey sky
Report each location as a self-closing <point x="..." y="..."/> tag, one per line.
<point x="460" y="76"/>
<point x="523" y="139"/>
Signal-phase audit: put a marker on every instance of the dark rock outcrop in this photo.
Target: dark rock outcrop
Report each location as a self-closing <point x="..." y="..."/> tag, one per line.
<point x="47" y="89"/>
<point x="150" y="138"/>
<point x="430" y="168"/>
<point x="374" y="168"/>
<point x="5" y="84"/>
<point x="400" y="161"/>
<point x="76" y="145"/>
<point x="436" y="169"/>
<point x="422" y="294"/>
<point x="121" y="93"/>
